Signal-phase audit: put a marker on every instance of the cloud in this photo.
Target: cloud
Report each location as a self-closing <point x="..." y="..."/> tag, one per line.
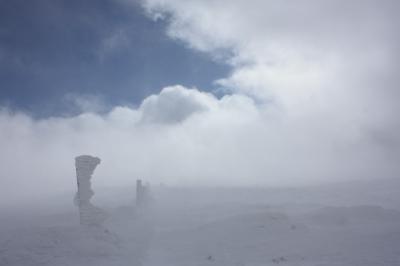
<point x="175" y="104"/>
<point x="156" y="141"/>
<point x="300" y="55"/>
<point x="328" y="67"/>
<point x="219" y="142"/>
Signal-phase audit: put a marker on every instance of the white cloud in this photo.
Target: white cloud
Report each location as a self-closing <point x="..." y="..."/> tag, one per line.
<point x="175" y="104"/>
<point x="298" y="54"/>
<point x="327" y="68"/>
<point x="227" y="141"/>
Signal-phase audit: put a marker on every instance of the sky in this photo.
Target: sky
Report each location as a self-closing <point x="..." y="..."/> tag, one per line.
<point x="60" y="55"/>
<point x="200" y="92"/>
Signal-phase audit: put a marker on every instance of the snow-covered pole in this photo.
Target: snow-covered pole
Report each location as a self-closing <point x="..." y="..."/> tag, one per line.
<point x="88" y="213"/>
<point x="139" y="192"/>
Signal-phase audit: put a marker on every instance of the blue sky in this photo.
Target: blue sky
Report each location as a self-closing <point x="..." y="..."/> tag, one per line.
<point x="54" y="51"/>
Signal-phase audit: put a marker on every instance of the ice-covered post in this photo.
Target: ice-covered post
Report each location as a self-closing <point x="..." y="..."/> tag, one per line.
<point x="139" y="193"/>
<point x="143" y="196"/>
<point x="88" y="213"/>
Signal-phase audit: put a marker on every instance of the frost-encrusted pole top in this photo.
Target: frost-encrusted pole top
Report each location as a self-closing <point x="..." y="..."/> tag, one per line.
<point x="86" y="163"/>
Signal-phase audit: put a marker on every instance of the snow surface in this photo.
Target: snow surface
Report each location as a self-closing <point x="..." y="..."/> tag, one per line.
<point x="188" y="227"/>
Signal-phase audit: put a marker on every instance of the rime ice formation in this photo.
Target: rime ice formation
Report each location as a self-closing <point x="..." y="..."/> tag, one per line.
<point x="142" y="193"/>
<point x="88" y="213"/>
<point x="139" y="192"/>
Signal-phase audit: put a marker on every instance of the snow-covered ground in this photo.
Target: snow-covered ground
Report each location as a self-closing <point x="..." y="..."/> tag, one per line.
<point x="313" y="226"/>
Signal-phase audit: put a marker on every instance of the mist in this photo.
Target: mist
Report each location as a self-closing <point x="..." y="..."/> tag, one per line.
<point x="272" y="139"/>
<point x="186" y="137"/>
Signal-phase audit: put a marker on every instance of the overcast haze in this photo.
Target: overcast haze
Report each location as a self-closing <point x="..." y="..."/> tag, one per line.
<point x="251" y="93"/>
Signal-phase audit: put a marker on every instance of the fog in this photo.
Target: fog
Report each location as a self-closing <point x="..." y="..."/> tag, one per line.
<point x="186" y="137"/>
<point x="292" y="160"/>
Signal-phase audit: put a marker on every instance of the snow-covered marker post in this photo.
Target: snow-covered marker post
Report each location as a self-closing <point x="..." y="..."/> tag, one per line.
<point x="142" y="193"/>
<point x="139" y="193"/>
<point x="88" y="213"/>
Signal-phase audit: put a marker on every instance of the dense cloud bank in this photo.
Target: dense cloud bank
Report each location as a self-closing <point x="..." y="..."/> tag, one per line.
<point x="327" y="67"/>
<point x="207" y="141"/>
<point x="313" y="99"/>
